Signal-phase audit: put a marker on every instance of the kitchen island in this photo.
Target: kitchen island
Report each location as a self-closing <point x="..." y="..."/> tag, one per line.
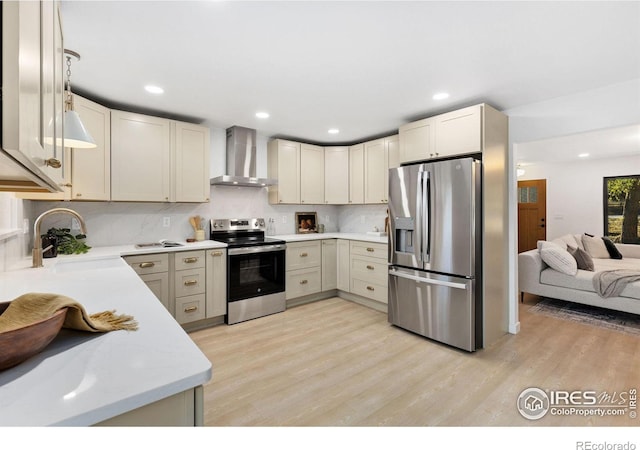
<point x="152" y="376"/>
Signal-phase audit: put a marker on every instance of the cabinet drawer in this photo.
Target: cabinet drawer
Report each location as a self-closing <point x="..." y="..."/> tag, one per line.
<point x="303" y="254"/>
<point x="151" y="263"/>
<point x="303" y="282"/>
<point x="189" y="282"/>
<point x="370" y="290"/>
<point x="190" y="308"/>
<point x="369" y="249"/>
<point x="190" y="260"/>
<point x="369" y="269"/>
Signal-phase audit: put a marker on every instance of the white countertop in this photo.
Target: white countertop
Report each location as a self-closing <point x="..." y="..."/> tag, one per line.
<point x="84" y="378"/>
<point x="335" y="235"/>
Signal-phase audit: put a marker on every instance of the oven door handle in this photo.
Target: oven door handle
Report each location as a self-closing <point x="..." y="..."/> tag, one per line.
<point x="257" y="249"/>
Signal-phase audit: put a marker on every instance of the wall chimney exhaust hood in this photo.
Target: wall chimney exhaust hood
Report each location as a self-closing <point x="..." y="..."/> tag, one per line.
<point x="241" y="160"/>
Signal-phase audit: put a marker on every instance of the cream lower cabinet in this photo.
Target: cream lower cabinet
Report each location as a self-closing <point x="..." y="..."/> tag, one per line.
<point x="304" y="267"/>
<point x="329" y="265"/>
<point x="343" y="261"/>
<point x="216" y="298"/>
<point x="336" y="175"/>
<point x="153" y="269"/>
<point x="368" y="270"/>
<point x="192" y="285"/>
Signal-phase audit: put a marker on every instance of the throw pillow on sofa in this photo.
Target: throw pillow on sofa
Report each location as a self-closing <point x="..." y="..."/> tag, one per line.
<point x="611" y="248"/>
<point x="595" y="246"/>
<point x="583" y="259"/>
<point x="558" y="258"/>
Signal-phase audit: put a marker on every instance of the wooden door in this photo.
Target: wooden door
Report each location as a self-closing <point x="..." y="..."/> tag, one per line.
<point x="532" y="213"/>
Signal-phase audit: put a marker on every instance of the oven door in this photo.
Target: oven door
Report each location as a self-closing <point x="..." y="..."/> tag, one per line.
<point x="255" y="271"/>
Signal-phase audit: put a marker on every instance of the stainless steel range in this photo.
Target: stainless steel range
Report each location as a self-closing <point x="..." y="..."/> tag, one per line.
<point x="255" y="269"/>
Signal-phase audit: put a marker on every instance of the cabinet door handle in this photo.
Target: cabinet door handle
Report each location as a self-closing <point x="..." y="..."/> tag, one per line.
<point x="303" y="281"/>
<point x="303" y="255"/>
<point x="191" y="309"/>
<point x="216" y="253"/>
<point x="369" y="249"/>
<point x="190" y="282"/>
<point x="370" y="288"/>
<point x="370" y="267"/>
<point x="78" y="195"/>
<point x="52" y="162"/>
<point x="190" y="260"/>
<point x="146" y="265"/>
<point x="66" y="185"/>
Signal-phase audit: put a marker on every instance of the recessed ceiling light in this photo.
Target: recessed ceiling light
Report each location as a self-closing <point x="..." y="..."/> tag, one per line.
<point x="153" y="89"/>
<point x="334" y="131"/>
<point x="262" y="115"/>
<point x="440" y="96"/>
<point x="583" y="155"/>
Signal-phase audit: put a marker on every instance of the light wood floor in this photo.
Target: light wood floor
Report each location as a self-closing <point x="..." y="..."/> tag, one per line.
<point x="337" y="363"/>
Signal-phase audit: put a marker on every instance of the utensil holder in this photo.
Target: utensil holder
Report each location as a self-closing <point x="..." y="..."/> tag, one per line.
<point x="199" y="235"/>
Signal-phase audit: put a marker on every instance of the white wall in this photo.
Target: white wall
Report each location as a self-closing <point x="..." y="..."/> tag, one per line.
<point x="575" y="192"/>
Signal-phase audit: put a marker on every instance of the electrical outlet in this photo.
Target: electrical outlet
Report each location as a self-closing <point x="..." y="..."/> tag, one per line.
<point x="284" y="219"/>
<point x="166" y="222"/>
<point x="25" y="226"/>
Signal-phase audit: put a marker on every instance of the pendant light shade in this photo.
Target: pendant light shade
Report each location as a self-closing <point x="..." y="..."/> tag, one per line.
<point x="75" y="134"/>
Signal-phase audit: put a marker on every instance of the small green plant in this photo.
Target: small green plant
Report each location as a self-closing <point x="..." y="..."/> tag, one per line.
<point x="67" y="244"/>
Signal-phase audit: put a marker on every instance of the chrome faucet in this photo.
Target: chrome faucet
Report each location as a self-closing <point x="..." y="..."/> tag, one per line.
<point x="37" y="242"/>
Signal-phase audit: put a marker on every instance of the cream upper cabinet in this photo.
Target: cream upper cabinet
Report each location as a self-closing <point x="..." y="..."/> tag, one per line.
<point x="311" y="174"/>
<point x="393" y="149"/>
<point x="417" y="140"/>
<point x="140" y="157"/>
<point x="356" y="174"/>
<point x="158" y="160"/>
<point x="191" y="162"/>
<point x="336" y="175"/>
<point x="283" y="164"/>
<point x="32" y="101"/>
<point x="459" y="132"/>
<point x="91" y="168"/>
<point x="376" y="177"/>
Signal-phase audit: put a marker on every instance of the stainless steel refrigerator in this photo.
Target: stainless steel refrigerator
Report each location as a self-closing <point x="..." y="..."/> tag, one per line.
<point x="435" y="251"/>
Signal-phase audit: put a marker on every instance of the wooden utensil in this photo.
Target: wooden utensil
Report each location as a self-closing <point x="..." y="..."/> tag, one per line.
<point x="192" y="221"/>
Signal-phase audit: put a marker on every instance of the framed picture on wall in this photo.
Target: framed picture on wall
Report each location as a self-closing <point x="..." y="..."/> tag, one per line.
<point x="621" y="195"/>
<point x="306" y="222"/>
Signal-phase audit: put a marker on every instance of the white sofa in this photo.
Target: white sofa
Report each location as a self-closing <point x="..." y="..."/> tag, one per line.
<point x="536" y="277"/>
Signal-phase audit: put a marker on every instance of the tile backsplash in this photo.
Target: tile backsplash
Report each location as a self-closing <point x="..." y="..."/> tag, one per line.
<point x="115" y="223"/>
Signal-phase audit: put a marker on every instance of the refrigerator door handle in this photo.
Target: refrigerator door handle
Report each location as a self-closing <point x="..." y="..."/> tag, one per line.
<point x="450" y="284"/>
<point x="426" y="212"/>
<point x="419" y="231"/>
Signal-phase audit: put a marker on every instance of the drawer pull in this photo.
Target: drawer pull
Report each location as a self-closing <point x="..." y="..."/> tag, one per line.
<point x="216" y="253"/>
<point x="303" y="255"/>
<point x="370" y="288"/>
<point x="190" y="282"/>
<point x="191" y="309"/>
<point x="146" y="265"/>
<point x="369" y="249"/>
<point x="370" y="267"/>
<point x="304" y="281"/>
<point x="190" y="260"/>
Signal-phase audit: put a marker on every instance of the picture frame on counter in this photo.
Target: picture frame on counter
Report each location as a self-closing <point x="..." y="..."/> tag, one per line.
<point x="306" y="222"/>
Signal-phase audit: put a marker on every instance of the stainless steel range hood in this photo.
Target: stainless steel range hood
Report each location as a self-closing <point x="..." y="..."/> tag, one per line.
<point x="241" y="160"/>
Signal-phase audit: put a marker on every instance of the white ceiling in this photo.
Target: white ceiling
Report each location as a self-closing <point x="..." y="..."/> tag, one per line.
<point x="362" y="67"/>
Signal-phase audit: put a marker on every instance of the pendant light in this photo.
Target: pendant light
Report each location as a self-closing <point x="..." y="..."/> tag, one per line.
<point x="75" y="133"/>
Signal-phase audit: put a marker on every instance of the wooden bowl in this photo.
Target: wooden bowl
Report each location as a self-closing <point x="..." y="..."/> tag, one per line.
<point x="21" y="344"/>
